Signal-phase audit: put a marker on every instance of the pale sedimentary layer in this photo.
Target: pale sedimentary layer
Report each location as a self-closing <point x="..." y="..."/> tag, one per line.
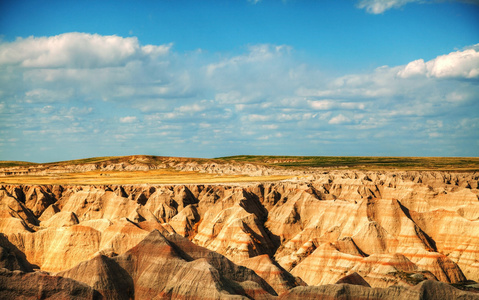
<point x="251" y="240"/>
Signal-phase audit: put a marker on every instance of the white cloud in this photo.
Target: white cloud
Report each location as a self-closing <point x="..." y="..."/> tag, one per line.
<point x="249" y="75"/>
<point x="380" y="6"/>
<point x="335" y="104"/>
<point x="457" y="97"/>
<point x="48" y="95"/>
<point x="256" y="54"/>
<point x="191" y="108"/>
<point x="352" y="105"/>
<point x="128" y="119"/>
<point x="258" y="118"/>
<point x="226" y="102"/>
<point x="339" y="119"/>
<point x="322" y="104"/>
<point x="270" y="126"/>
<point x="459" y="64"/>
<point x="91" y="67"/>
<point x="414" y="68"/>
<point x="456" y="64"/>
<point x="75" y="50"/>
<point x="156" y="50"/>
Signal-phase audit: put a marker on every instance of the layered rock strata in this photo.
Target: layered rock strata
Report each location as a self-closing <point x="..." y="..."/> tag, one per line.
<point x="145" y="163"/>
<point x="252" y="240"/>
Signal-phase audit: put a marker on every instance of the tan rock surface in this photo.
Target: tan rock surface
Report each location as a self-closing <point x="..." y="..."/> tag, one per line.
<point x="36" y="285"/>
<point x="425" y="290"/>
<point x="179" y="269"/>
<point x="389" y="227"/>
<point x="353" y="278"/>
<point x="280" y="279"/>
<point x="11" y="258"/>
<point x="104" y="275"/>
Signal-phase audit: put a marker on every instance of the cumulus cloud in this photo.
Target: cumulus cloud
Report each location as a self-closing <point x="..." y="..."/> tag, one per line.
<point x="322" y="104"/>
<point x="339" y="119"/>
<point x="414" y="68"/>
<point x="380" y="6"/>
<point x="76" y="50"/>
<point x="255" y="101"/>
<point x="89" y="67"/>
<point x="459" y="64"/>
<point x="128" y="119"/>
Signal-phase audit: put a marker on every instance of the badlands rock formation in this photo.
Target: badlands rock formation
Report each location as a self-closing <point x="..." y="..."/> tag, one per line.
<point x="369" y="235"/>
<point x="145" y="163"/>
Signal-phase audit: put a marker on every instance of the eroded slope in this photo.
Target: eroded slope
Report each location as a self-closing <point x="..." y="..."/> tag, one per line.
<point x="388" y="227"/>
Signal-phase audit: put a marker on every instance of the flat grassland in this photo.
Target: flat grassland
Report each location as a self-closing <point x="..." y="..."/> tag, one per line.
<point x="363" y="162"/>
<point x="162" y="176"/>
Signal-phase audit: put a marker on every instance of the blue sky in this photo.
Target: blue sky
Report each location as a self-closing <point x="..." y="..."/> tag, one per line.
<point x="217" y="78"/>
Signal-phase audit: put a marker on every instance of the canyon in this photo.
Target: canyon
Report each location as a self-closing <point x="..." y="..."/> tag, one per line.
<point x="312" y="233"/>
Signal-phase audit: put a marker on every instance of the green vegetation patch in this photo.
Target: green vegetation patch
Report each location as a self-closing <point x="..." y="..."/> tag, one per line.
<point x="91" y="160"/>
<point x="8" y="164"/>
<point x="329" y="162"/>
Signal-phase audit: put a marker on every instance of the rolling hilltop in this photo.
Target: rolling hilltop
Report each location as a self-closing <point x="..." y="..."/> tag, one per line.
<point x="357" y="162"/>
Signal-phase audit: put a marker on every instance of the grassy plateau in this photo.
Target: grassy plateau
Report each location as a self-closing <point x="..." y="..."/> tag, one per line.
<point x="363" y="162"/>
<point x="172" y="176"/>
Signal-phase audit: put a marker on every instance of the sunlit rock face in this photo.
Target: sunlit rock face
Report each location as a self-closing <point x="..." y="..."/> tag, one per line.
<point x="294" y="238"/>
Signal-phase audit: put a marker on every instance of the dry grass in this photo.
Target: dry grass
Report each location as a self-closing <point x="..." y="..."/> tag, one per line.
<point x="369" y="163"/>
<point x="162" y="176"/>
<point x="11" y="163"/>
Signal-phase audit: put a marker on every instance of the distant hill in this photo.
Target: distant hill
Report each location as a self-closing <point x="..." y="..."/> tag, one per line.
<point x="289" y="162"/>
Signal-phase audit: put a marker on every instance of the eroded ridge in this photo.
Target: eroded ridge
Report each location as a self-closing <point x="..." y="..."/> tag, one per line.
<point x="257" y="240"/>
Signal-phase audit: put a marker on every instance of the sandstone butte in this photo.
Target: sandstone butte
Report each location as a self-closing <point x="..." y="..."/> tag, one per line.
<point x="333" y="234"/>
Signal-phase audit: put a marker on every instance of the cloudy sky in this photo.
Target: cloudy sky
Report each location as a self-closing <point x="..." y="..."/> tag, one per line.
<point x="217" y="78"/>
